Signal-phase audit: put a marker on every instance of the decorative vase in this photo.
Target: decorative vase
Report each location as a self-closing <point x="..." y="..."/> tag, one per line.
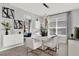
<point x="6" y="33"/>
<point x="44" y="33"/>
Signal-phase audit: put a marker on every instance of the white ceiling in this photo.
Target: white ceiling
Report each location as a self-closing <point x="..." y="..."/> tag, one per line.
<point x="39" y="9"/>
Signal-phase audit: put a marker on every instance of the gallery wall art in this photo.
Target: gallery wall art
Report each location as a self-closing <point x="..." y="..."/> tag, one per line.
<point x="18" y="24"/>
<point x="7" y="12"/>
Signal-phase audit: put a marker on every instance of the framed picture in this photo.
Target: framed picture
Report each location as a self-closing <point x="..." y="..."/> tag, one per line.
<point x="7" y="13"/>
<point x="18" y="24"/>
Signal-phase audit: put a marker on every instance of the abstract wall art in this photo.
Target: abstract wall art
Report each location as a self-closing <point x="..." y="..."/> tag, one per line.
<point x="7" y="13"/>
<point x="18" y="24"/>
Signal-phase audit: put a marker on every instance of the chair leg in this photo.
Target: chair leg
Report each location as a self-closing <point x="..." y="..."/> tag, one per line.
<point x="34" y="52"/>
<point x="55" y="49"/>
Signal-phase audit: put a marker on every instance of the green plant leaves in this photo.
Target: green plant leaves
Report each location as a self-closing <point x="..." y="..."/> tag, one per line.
<point x="6" y="25"/>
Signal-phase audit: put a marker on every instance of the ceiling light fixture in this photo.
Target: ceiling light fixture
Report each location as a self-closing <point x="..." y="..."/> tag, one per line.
<point x="45" y="5"/>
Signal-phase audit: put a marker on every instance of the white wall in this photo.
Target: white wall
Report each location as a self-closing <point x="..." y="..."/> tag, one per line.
<point x="19" y="15"/>
<point x="74" y="19"/>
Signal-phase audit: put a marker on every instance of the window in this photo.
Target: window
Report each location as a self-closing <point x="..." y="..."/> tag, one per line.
<point x="57" y="25"/>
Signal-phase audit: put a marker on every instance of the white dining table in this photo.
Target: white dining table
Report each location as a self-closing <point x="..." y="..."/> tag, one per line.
<point x="46" y="39"/>
<point x="43" y="39"/>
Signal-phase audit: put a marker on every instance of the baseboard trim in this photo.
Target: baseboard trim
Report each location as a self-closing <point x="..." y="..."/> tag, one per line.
<point x="7" y="48"/>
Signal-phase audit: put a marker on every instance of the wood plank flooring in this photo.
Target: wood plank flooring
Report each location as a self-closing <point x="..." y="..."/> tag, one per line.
<point x="22" y="51"/>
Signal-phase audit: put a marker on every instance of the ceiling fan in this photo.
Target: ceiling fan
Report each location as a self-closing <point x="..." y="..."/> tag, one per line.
<point x="44" y="4"/>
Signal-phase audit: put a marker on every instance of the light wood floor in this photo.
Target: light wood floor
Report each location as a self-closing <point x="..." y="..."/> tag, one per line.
<point x="22" y="51"/>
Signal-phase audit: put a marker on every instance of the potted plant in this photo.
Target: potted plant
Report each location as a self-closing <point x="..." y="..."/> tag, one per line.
<point x="7" y="27"/>
<point x="44" y="27"/>
<point x="44" y="31"/>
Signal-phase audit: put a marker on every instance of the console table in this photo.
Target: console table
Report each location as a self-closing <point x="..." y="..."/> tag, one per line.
<point x="11" y="41"/>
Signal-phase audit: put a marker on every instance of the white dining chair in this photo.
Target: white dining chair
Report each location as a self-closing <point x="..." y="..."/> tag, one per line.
<point x="52" y="44"/>
<point x="33" y="43"/>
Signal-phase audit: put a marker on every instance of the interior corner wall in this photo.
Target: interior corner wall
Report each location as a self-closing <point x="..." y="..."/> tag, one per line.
<point x="74" y="19"/>
<point x="69" y="24"/>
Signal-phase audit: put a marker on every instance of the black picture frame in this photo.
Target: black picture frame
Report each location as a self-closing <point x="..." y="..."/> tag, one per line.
<point x="7" y="13"/>
<point x="18" y="24"/>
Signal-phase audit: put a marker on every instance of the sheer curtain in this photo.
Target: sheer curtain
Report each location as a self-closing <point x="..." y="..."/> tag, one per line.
<point x="37" y="28"/>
